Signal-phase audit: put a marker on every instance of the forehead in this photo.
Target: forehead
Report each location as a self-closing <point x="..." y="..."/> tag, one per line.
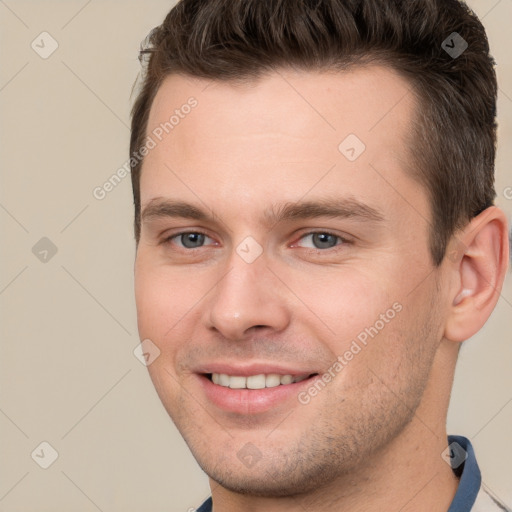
<point x="288" y="128"/>
<point x="360" y="100"/>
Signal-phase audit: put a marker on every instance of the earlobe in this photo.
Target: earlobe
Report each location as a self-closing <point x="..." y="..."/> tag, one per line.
<point x="478" y="267"/>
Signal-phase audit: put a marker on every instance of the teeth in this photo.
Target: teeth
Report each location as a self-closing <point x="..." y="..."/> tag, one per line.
<point x="260" y="381"/>
<point x="237" y="382"/>
<point x="256" y="381"/>
<point x="272" y="380"/>
<point x="286" y="379"/>
<point x="223" y="379"/>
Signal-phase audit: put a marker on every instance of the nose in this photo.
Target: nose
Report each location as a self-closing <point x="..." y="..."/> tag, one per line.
<point x="249" y="297"/>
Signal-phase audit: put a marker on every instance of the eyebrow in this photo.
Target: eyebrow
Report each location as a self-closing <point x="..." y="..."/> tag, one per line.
<point x="344" y="208"/>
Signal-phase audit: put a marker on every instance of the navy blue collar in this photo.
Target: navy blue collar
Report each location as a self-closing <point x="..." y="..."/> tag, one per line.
<point x="206" y="506"/>
<point x="470" y="480"/>
<point x="469" y="483"/>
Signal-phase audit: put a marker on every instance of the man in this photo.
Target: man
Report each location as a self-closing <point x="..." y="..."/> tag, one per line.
<point x="316" y="237"/>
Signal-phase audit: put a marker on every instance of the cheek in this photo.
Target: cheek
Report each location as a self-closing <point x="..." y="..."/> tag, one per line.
<point x="364" y="319"/>
<point x="162" y="299"/>
<point x="161" y="308"/>
<point x="150" y="299"/>
<point x="155" y="299"/>
<point x="345" y="300"/>
<point x="168" y="305"/>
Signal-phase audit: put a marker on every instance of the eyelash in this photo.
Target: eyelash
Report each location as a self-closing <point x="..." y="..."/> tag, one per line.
<point x="344" y="241"/>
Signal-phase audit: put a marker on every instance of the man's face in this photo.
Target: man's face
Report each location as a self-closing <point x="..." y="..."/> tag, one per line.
<point x="307" y="254"/>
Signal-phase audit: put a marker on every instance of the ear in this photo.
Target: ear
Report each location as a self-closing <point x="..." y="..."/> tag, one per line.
<point x="478" y="260"/>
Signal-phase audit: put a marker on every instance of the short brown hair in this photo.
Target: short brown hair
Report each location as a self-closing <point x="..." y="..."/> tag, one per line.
<point x="454" y="135"/>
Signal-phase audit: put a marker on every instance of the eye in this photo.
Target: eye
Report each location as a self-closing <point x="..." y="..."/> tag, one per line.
<point x="317" y="240"/>
<point x="189" y="239"/>
<point x="321" y="240"/>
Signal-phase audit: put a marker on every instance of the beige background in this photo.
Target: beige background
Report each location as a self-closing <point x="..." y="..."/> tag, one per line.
<point x="68" y="373"/>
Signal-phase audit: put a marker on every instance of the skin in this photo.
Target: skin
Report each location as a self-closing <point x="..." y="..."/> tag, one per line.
<point x="380" y="423"/>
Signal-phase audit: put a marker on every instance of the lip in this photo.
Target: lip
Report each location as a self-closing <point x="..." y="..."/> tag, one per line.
<point x="253" y="401"/>
<point x="253" y="369"/>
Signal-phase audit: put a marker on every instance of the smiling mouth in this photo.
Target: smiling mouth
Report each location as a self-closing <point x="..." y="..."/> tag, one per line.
<point x="260" y="381"/>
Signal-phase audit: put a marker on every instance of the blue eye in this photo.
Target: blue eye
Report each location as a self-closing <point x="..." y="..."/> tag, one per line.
<point x="321" y="240"/>
<point x="190" y="239"/>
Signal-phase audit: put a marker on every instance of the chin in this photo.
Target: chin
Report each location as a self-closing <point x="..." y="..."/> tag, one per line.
<point x="288" y="471"/>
